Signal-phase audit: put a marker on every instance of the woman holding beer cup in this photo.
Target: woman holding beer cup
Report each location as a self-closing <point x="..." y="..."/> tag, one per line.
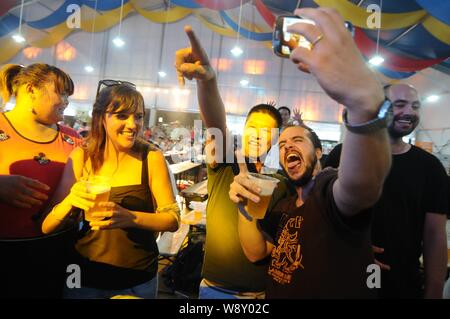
<point x="113" y="180"/>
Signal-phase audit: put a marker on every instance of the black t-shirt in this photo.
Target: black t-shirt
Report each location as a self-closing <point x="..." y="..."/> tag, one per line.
<point x="318" y="253"/>
<point x="416" y="185"/>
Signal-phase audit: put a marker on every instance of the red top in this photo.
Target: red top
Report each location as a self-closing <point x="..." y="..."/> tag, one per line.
<point x="43" y="161"/>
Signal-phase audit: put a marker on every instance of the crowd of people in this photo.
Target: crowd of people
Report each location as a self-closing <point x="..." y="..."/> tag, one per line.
<point x="378" y="206"/>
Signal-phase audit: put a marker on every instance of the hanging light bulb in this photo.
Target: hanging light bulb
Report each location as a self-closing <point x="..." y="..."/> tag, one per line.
<point x="89" y="68"/>
<point x="18" y="38"/>
<point x="118" y="42"/>
<point x="244" y="82"/>
<point x="376" y="60"/>
<point x="236" y="51"/>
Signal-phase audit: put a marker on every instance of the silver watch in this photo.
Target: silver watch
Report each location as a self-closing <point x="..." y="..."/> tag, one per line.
<point x="383" y="120"/>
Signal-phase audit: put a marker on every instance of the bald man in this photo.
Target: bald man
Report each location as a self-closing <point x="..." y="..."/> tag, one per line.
<point x="410" y="217"/>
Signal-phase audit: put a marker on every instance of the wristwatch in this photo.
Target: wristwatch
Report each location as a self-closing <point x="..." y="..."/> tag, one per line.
<point x="383" y="120"/>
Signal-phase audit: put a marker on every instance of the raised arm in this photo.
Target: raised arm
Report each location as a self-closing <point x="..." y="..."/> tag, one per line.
<point x="340" y="70"/>
<point x="193" y="63"/>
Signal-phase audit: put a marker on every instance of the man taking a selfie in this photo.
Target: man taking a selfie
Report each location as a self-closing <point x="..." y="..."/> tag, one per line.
<point x="318" y="239"/>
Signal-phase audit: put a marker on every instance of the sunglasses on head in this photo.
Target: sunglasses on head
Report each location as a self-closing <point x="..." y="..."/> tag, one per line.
<point x="105" y="83"/>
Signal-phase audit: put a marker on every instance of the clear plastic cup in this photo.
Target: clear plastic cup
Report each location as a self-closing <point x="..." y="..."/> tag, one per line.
<point x="101" y="187"/>
<point x="267" y="185"/>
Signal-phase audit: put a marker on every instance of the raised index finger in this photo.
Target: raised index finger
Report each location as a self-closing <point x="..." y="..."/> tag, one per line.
<point x="197" y="48"/>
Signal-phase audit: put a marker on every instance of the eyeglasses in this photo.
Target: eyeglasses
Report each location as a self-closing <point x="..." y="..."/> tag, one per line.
<point x="105" y="83"/>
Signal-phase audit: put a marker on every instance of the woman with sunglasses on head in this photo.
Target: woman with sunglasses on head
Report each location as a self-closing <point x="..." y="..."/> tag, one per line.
<point x="33" y="152"/>
<point x="117" y="252"/>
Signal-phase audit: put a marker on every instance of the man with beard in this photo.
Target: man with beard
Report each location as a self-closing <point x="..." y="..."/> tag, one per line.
<point x="318" y="240"/>
<point x="410" y="216"/>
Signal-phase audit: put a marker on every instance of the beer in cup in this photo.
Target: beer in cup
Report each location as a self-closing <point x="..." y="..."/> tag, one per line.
<point x="267" y="184"/>
<point x="101" y="187"/>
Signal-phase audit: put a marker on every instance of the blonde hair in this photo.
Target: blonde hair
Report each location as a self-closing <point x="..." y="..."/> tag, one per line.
<point x="12" y="76"/>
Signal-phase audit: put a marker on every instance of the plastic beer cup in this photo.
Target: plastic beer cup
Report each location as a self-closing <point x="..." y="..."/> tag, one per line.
<point x="267" y="185"/>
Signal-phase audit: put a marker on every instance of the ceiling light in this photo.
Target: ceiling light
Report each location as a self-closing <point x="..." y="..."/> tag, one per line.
<point x="236" y="51"/>
<point x="432" y="98"/>
<point x="18" y="38"/>
<point x="118" y="42"/>
<point x="376" y="60"/>
<point x="244" y="82"/>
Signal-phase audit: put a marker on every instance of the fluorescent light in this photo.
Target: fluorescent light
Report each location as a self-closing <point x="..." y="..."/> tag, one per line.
<point x="18" y="38"/>
<point x="432" y="98"/>
<point x="244" y="82"/>
<point x="88" y="68"/>
<point x="236" y="51"/>
<point x="162" y="74"/>
<point x="376" y="60"/>
<point x="118" y="42"/>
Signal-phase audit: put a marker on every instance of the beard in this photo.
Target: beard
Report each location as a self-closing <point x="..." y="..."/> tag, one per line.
<point x="395" y="133"/>
<point x="306" y="176"/>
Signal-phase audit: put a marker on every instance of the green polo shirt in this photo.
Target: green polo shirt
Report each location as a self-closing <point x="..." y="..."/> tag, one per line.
<point x="225" y="263"/>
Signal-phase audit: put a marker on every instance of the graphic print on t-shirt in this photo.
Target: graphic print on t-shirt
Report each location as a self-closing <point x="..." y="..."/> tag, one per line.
<point x="3" y="136"/>
<point x="287" y="255"/>
<point x="41" y="159"/>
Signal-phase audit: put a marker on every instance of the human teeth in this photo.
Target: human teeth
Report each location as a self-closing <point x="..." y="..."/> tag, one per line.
<point x="292" y="157"/>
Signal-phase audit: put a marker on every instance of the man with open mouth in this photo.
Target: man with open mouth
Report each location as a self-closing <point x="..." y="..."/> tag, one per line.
<point x="409" y="219"/>
<point x="318" y="240"/>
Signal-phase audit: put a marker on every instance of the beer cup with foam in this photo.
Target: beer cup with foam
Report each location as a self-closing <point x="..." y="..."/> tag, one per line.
<point x="267" y="185"/>
<point x="101" y="187"/>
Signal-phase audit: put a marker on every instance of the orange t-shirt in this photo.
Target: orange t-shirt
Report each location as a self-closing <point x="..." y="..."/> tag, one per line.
<point x="41" y="161"/>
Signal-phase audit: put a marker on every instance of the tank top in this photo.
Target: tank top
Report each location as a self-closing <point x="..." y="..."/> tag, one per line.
<point x="120" y="258"/>
<point x="43" y="161"/>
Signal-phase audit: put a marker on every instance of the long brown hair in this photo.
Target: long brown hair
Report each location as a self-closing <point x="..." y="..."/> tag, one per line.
<point x="112" y="99"/>
<point x="12" y="76"/>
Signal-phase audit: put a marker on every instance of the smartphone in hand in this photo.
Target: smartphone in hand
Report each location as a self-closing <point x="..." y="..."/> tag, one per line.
<point x="283" y="42"/>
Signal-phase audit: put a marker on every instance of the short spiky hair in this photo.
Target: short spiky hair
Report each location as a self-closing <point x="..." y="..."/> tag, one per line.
<point x="269" y="109"/>
<point x="315" y="140"/>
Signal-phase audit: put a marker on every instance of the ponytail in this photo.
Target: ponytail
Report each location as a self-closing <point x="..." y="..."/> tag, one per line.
<point x="8" y="73"/>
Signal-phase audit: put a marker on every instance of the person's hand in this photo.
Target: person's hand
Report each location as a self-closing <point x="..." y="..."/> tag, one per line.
<point x="379" y="250"/>
<point x="297" y="115"/>
<point x="117" y="217"/>
<point x="243" y="188"/>
<point x="23" y="192"/>
<point x="336" y="62"/>
<point x="79" y="197"/>
<point x="192" y="63"/>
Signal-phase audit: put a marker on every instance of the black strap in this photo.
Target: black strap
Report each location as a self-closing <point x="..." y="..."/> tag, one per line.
<point x="144" y="171"/>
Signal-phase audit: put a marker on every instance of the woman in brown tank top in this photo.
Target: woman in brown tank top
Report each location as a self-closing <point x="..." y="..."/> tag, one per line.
<point x="116" y="251"/>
